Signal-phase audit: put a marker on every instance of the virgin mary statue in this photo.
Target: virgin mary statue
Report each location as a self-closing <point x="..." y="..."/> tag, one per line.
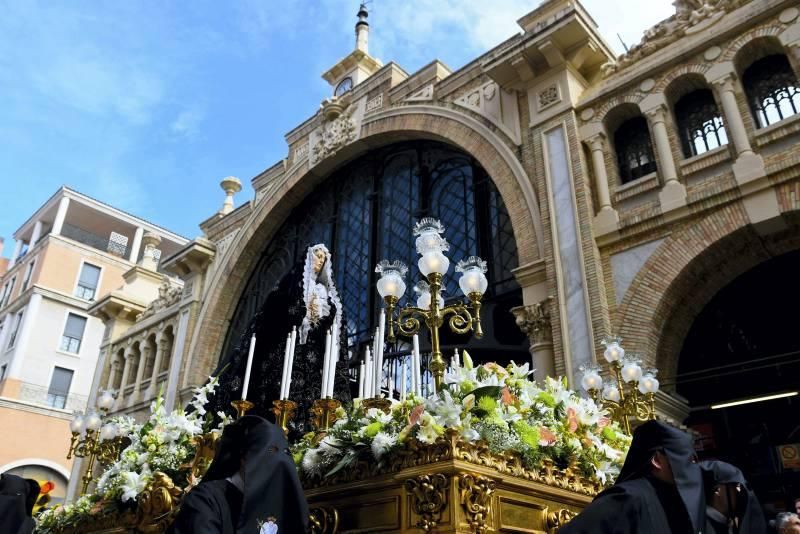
<point x="305" y="299"/>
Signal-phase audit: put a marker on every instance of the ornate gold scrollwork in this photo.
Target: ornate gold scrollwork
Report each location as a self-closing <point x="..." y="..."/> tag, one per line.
<point x="429" y="494"/>
<point x="476" y="497"/>
<point x="559" y="518"/>
<point x="205" y="449"/>
<point x="323" y="520"/>
<point x="158" y="501"/>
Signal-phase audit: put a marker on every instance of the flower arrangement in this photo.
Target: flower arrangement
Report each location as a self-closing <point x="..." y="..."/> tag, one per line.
<point x="502" y="407"/>
<point x="165" y="443"/>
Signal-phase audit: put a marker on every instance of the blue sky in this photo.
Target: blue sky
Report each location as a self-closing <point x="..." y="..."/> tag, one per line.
<point x="148" y="104"/>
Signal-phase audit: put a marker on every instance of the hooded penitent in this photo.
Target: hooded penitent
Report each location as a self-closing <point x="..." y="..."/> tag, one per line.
<point x="639" y="501"/>
<point x="750" y="517"/>
<point x="17" y="497"/>
<point x="251" y="486"/>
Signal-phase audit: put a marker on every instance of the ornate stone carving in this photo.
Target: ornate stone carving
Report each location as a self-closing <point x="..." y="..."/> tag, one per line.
<point x="429" y="495"/>
<point x="301" y="152"/>
<point x="549" y="96"/>
<point x="690" y="17"/>
<point x="167" y="296"/>
<point x="476" y="496"/>
<point x="334" y="135"/>
<point x="534" y="320"/>
<point x="374" y="103"/>
<point x="424" y="94"/>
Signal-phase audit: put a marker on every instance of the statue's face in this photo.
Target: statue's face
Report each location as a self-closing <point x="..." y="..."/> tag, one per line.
<point x="319" y="260"/>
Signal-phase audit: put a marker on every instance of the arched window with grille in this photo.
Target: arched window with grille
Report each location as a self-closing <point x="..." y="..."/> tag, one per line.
<point x="772" y="89"/>
<point x="699" y="123"/>
<point x="634" y="149"/>
<point x="365" y="212"/>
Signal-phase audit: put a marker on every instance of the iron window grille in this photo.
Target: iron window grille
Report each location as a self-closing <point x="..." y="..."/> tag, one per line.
<point x="699" y="123"/>
<point x="634" y="150"/>
<point x="772" y="89"/>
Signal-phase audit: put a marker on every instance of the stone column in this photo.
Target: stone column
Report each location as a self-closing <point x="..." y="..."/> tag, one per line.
<point x="748" y="166"/>
<point x="673" y="193"/>
<point x="112" y="371"/>
<point x="150" y="242"/>
<point x="137" y="242"/>
<point x="126" y="370"/>
<point x="607" y="217"/>
<point x="534" y="320"/>
<point x="37" y="233"/>
<point x="61" y="215"/>
<point x="15" y="254"/>
<point x="144" y="352"/>
<point x="160" y="349"/>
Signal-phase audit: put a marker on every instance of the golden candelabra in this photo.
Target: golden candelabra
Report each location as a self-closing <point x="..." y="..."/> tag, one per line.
<point x="633" y="390"/>
<point x="94" y="439"/>
<point x="323" y="415"/>
<point x="284" y="411"/>
<point x="242" y="406"/>
<point x="431" y="309"/>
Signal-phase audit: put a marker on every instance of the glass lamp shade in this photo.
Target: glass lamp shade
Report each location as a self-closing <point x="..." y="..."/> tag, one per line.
<point x="93" y="421"/>
<point x="611" y="393"/>
<point x="631" y="371"/>
<point x="648" y="384"/>
<point x="424" y="300"/>
<point x="473" y="281"/>
<point x="433" y="262"/>
<point x="592" y="381"/>
<point x="108" y="431"/>
<point x="77" y="423"/>
<point x="391" y="285"/>
<point x="429" y="236"/>
<point x="614" y="352"/>
<point x="105" y="400"/>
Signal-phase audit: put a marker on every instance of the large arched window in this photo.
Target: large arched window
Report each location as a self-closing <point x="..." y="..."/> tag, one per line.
<point x="772" y="89"/>
<point x="634" y="149"/>
<point x="699" y="123"/>
<point x="365" y="212"/>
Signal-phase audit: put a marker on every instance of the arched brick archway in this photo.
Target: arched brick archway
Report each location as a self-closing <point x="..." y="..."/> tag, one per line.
<point x="380" y="129"/>
<point x="685" y="273"/>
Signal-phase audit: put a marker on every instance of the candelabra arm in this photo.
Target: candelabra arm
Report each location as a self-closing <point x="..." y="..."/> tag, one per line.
<point x="461" y="321"/>
<point x="391" y="302"/>
<point x="475" y="299"/>
<point x="407" y="323"/>
<point x="90" y="446"/>
<point x="73" y="445"/>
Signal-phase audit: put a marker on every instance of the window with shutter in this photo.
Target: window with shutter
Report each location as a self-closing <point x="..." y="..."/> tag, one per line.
<point x="73" y="333"/>
<point x="12" y="339"/>
<point x="87" y="282"/>
<point x="59" y="387"/>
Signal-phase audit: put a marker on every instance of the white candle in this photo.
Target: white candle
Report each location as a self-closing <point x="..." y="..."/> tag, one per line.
<point x="284" y="380"/>
<point x="325" y="364"/>
<point x="334" y="359"/>
<point x="249" y="366"/>
<point x="378" y="363"/>
<point x="403" y="380"/>
<point x="361" y="369"/>
<point x="292" y="340"/>
<point x="368" y="383"/>
<point x="416" y="366"/>
<point x="456" y="360"/>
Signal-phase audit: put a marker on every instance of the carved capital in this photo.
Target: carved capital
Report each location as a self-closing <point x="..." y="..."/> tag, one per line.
<point x="476" y="498"/>
<point x="597" y="142"/>
<point x="725" y="83"/>
<point x="534" y="320"/>
<point x="429" y="498"/>
<point x="657" y="114"/>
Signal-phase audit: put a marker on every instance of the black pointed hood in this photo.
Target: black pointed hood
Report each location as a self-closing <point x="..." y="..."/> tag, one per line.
<point x="751" y="515"/>
<point x="272" y="489"/>
<point x="677" y="445"/>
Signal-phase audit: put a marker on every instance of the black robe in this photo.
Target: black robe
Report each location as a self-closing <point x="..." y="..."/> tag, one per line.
<point x="640" y="503"/>
<point x="748" y="512"/>
<point x="17" y="497"/>
<point x="283" y="309"/>
<point x="272" y="492"/>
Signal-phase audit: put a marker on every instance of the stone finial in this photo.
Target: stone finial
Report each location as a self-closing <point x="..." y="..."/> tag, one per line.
<point x="362" y="30"/>
<point x="231" y="185"/>
<point x="151" y="255"/>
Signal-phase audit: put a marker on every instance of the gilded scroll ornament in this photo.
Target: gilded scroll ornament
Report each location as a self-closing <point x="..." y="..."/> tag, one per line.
<point x="429" y="494"/>
<point x="323" y="520"/>
<point x="559" y="518"/>
<point x="476" y="497"/>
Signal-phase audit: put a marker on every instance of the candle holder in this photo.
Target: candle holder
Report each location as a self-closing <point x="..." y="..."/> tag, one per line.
<point x="323" y="415"/>
<point x="284" y="411"/>
<point x="384" y="405"/>
<point x="242" y="406"/>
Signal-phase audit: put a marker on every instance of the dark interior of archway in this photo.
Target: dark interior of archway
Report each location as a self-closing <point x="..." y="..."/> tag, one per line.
<point x="744" y="344"/>
<point x="365" y="211"/>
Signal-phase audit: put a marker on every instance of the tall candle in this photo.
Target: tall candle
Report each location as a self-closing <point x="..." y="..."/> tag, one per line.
<point x="456" y="360"/>
<point x="416" y="366"/>
<point x="249" y="366"/>
<point x="325" y="364"/>
<point x="293" y="338"/>
<point x="284" y="379"/>
<point x="361" y="369"/>
<point x="379" y="361"/>
<point x="333" y="359"/>
<point x="368" y="383"/>
<point x="403" y="380"/>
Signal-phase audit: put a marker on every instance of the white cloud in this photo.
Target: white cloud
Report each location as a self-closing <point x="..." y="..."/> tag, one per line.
<point x="187" y="123"/>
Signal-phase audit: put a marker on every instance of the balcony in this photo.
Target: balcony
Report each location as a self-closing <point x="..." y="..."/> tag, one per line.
<point x="40" y="395"/>
<point x="99" y="242"/>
